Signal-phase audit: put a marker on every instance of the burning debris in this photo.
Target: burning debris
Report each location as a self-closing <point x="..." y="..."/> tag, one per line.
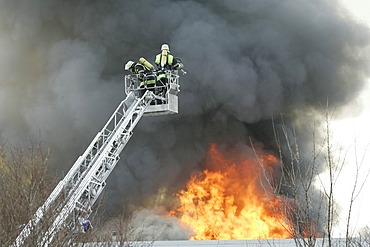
<point x="230" y="200"/>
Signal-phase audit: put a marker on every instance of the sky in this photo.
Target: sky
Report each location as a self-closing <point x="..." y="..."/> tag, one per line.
<point x="61" y="77"/>
<point x="352" y="133"/>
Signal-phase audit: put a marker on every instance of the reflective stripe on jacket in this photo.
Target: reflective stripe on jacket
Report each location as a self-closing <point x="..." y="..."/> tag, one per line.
<point x="148" y="80"/>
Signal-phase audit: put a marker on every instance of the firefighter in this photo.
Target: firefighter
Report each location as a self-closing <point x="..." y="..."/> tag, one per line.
<point x="178" y="65"/>
<point x="145" y="74"/>
<point x="165" y="62"/>
<point x="86" y="224"/>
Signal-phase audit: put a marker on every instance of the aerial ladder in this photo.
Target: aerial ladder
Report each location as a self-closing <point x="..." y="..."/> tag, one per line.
<point x="73" y="198"/>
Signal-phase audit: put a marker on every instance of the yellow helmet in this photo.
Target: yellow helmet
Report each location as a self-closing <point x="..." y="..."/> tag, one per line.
<point x="165" y="47"/>
<point x="129" y="65"/>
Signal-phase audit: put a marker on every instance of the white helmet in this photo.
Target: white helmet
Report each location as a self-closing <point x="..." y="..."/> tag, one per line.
<point x="165" y="47"/>
<point x="129" y="65"/>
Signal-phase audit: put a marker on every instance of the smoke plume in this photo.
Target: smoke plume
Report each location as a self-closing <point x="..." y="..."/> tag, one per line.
<point x="61" y="75"/>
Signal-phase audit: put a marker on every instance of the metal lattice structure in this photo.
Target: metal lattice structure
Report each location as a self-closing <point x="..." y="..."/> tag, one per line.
<point x="72" y="199"/>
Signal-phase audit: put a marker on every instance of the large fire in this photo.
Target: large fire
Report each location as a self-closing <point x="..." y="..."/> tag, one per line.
<point x="229" y="201"/>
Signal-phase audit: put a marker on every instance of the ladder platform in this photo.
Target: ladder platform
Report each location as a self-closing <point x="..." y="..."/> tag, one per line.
<point x="166" y="99"/>
<point x="72" y="199"/>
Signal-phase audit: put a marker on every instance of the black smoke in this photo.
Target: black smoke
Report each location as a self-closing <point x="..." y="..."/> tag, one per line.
<point x="61" y="75"/>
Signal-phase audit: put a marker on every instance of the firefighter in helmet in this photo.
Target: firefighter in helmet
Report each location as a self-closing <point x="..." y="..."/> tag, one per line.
<point x="165" y="62"/>
<point x="145" y="74"/>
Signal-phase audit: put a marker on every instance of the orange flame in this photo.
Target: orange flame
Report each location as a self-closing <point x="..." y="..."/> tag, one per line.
<point x="229" y="202"/>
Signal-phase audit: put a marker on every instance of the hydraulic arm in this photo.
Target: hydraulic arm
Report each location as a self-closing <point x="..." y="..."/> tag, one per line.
<point x="72" y="199"/>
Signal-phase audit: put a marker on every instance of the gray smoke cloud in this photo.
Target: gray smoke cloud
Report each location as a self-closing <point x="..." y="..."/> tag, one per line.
<point x="147" y="224"/>
<point x="61" y="75"/>
<point x="151" y="225"/>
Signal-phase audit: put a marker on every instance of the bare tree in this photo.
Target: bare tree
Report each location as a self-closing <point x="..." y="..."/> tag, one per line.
<point x="294" y="187"/>
<point x="310" y="212"/>
<point x="26" y="181"/>
<point x="356" y="189"/>
<point x="364" y="237"/>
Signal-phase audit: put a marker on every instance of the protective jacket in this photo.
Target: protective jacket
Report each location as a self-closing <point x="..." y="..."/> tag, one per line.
<point x="144" y="74"/>
<point x="164" y="60"/>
